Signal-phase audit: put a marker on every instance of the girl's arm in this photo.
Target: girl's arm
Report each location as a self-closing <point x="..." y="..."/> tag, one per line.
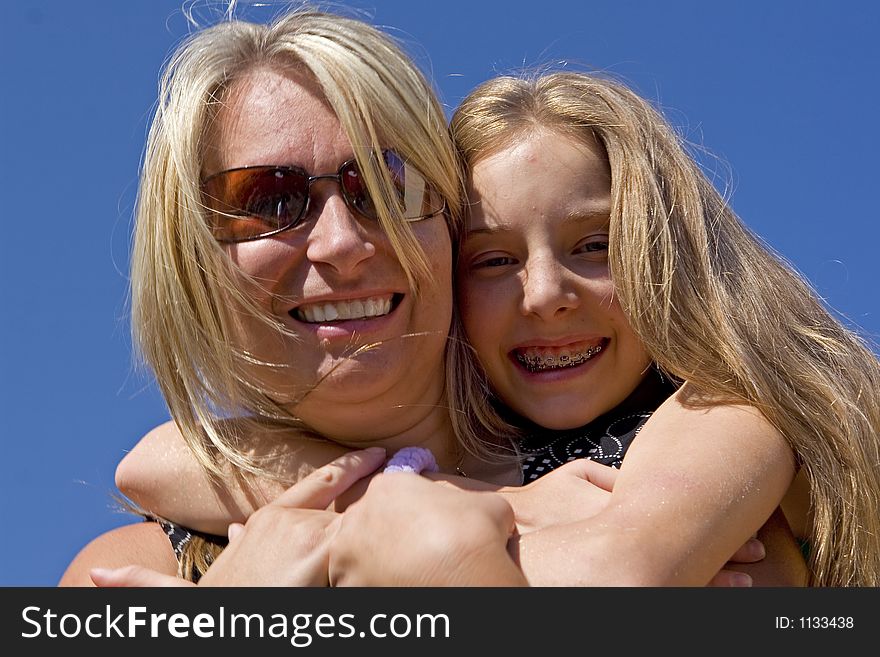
<point x="163" y="478"/>
<point x="694" y="485"/>
<point x="282" y="544"/>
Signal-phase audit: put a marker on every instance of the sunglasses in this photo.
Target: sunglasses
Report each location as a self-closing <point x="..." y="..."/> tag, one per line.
<point x="248" y="203"/>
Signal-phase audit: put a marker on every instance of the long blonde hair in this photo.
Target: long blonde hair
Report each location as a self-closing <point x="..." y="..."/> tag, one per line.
<point x="184" y="284"/>
<point x="712" y="304"/>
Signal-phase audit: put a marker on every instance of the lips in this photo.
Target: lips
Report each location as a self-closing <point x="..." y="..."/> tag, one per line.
<point x="340" y="310"/>
<point x="546" y="358"/>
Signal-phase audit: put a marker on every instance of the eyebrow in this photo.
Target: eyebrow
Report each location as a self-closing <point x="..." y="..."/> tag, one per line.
<point x="581" y="216"/>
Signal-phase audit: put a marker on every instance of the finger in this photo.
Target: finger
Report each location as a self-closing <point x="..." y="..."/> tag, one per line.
<point x="234" y="531"/>
<point x="500" y="511"/>
<point x="602" y="476"/>
<point x="730" y="578"/>
<point x="751" y="551"/>
<point x="326" y="483"/>
<point x="134" y="576"/>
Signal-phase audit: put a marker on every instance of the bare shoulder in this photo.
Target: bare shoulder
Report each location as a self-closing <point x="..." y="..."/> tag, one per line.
<point x="683" y="415"/>
<point x="688" y="441"/>
<point x="143" y="544"/>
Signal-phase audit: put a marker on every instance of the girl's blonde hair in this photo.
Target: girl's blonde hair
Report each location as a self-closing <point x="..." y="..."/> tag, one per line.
<point x="186" y="293"/>
<point x="712" y="304"/>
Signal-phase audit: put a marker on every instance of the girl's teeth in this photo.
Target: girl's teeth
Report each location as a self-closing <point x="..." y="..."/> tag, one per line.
<point x="538" y="362"/>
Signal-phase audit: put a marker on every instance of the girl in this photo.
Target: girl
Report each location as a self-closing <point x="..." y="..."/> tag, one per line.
<point x="594" y="246"/>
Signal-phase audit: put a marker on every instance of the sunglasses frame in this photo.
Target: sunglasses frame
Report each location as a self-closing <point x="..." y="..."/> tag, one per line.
<point x="349" y="203"/>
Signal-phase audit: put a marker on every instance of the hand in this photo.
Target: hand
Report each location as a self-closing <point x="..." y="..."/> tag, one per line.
<point x="751" y="551"/>
<point x="575" y="491"/>
<point x="409" y="531"/>
<point x="282" y="544"/>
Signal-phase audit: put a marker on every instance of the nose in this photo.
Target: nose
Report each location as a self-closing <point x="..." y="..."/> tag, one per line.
<point x="547" y="288"/>
<point x="338" y="238"/>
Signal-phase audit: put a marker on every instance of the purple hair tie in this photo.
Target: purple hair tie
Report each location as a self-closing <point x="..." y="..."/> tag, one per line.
<point x="412" y="459"/>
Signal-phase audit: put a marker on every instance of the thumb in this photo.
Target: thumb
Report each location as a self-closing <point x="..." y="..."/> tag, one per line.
<point x="600" y="475"/>
<point x="234" y="531"/>
<point x="136" y="576"/>
<point x="321" y="487"/>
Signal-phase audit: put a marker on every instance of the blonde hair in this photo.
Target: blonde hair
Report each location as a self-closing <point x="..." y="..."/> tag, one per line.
<point x="712" y="305"/>
<point x="185" y="290"/>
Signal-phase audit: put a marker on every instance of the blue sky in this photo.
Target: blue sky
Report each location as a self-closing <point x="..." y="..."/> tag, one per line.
<point x="784" y="93"/>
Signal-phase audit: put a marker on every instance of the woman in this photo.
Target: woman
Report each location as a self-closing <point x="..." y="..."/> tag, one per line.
<point x="223" y="318"/>
<point x="292" y="274"/>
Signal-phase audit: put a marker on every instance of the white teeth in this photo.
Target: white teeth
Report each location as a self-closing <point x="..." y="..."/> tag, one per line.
<point x="541" y="361"/>
<point x="342" y="310"/>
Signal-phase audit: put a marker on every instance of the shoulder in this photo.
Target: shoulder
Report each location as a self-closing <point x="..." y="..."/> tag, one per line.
<point x="142" y="544"/>
<point x="702" y="435"/>
<point x="687" y="410"/>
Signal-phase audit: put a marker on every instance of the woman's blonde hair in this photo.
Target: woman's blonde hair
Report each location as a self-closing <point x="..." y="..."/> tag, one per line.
<point x="185" y="291"/>
<point x="712" y="304"/>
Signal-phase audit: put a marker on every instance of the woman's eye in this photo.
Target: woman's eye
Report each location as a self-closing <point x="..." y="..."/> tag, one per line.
<point x="495" y="261"/>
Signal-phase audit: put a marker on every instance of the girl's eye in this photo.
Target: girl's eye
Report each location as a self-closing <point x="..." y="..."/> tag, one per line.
<point x="593" y="246"/>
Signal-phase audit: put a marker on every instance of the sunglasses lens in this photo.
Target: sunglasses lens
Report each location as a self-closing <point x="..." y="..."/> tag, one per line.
<point x="413" y="191"/>
<point x="249" y="203"/>
<point x="416" y="196"/>
<point x="355" y="190"/>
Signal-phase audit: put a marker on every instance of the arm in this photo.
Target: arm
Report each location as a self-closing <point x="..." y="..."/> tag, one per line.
<point x="695" y="484"/>
<point x="284" y="543"/>
<point x="456" y="537"/>
<point x="162" y="477"/>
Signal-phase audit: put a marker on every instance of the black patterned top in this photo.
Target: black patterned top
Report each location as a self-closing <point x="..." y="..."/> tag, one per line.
<point x="604" y="440"/>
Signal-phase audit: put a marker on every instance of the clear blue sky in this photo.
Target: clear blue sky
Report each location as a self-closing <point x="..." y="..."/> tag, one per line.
<point x="784" y="92"/>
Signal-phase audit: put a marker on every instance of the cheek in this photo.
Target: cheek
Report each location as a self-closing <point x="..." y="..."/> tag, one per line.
<point x="436" y="293"/>
<point x="630" y="346"/>
<point x="265" y="265"/>
<point x="485" y="315"/>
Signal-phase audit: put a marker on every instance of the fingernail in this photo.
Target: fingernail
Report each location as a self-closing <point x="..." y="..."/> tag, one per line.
<point x="100" y="573"/>
<point x="740" y="579"/>
<point x="758" y="547"/>
<point x="234" y="530"/>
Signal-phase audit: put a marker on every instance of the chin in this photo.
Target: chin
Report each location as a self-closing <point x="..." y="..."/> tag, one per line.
<point x="559" y="418"/>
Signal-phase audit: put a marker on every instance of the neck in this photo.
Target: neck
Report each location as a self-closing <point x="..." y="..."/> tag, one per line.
<point x="418" y="417"/>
